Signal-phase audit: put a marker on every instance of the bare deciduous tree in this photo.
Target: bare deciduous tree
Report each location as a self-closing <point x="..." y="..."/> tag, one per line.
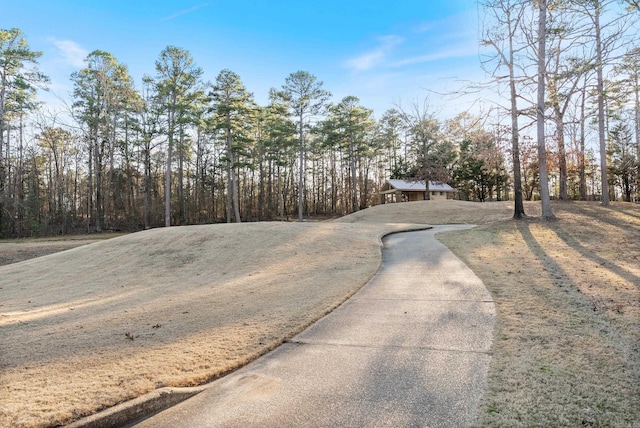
<point x="502" y="34"/>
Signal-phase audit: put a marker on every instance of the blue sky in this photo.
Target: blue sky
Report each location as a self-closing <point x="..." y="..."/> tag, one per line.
<point x="383" y="52"/>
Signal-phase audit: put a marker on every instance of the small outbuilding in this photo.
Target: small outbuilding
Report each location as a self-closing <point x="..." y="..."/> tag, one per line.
<point x="396" y="190"/>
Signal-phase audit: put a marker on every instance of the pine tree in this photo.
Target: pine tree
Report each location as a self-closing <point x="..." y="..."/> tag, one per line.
<point x="18" y="79"/>
<point x="233" y="106"/>
<point x="177" y="77"/>
<point x="306" y="98"/>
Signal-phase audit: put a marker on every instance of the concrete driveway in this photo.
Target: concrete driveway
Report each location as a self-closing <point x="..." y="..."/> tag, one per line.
<point x="410" y="349"/>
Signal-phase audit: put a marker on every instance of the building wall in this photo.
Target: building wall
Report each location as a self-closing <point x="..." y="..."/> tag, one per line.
<point x="439" y="196"/>
<point x="415" y="196"/>
<point x="420" y="196"/>
<point x="402" y="196"/>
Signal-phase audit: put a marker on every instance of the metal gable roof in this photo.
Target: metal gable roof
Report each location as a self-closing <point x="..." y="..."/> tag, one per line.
<point x="419" y="186"/>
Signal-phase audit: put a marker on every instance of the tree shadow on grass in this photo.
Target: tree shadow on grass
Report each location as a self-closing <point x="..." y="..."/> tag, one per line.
<point x="576" y="245"/>
<point x="567" y="296"/>
<point x="596" y="212"/>
<point x="595" y="360"/>
<point x="630" y="213"/>
<point x="570" y="240"/>
<point x="536" y="249"/>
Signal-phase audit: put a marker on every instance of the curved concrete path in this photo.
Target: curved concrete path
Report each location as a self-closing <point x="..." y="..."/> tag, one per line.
<point x="408" y="350"/>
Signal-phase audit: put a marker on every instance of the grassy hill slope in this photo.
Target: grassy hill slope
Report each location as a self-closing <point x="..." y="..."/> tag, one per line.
<point x="96" y="325"/>
<point x="90" y="327"/>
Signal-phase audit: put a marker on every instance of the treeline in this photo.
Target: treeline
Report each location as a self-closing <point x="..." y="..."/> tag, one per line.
<point x="566" y="66"/>
<point x="176" y="149"/>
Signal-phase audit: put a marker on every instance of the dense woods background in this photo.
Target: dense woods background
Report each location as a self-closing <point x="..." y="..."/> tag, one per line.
<point x="176" y="148"/>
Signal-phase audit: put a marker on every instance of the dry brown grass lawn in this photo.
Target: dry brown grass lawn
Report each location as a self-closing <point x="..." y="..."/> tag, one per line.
<point x="433" y="212"/>
<point x="17" y="250"/>
<point x="90" y="327"/>
<point x="567" y="344"/>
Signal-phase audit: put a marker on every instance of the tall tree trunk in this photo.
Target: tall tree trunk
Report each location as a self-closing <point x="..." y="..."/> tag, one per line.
<point x="76" y="198"/>
<point x="301" y="172"/>
<point x="518" y="205"/>
<point x="604" y="197"/>
<point x="425" y="154"/>
<point x="5" y="183"/>
<point x="147" y="185"/>
<point x="167" y="185"/>
<point x="365" y="184"/>
<point x="90" y="214"/>
<point x="20" y="181"/>
<point x="562" y="154"/>
<point x="236" y="198"/>
<point x="2" y="169"/>
<point x="542" y="150"/>
<point x="232" y="180"/>
<point x="334" y="187"/>
<point x="201" y="174"/>
<point x="354" y="175"/>
<point x="229" y="205"/>
<point x="314" y="193"/>
<point x="130" y="203"/>
<point x="97" y="165"/>
<point x="261" y="187"/>
<point x="581" y="157"/>
<point x="636" y="92"/>
<point x="181" y="210"/>
<point x="110" y="188"/>
<point x="279" y="193"/>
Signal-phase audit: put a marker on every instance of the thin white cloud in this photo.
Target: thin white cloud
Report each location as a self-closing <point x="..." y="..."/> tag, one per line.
<point x="184" y="12"/>
<point x="382" y="80"/>
<point x="460" y="22"/>
<point x="370" y="59"/>
<point x="462" y="51"/>
<point x="424" y="27"/>
<point x="71" y="52"/>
